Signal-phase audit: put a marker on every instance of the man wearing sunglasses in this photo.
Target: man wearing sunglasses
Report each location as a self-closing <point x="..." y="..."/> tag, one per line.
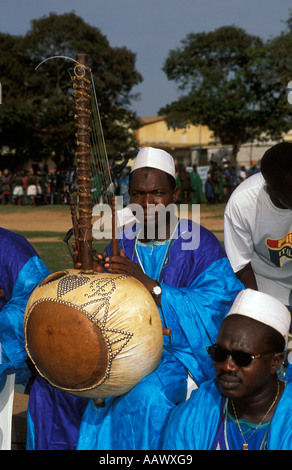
<point x="247" y="407"/>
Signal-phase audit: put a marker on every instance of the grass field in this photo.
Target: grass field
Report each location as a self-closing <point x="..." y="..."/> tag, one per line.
<point x="56" y="254"/>
<point x="47" y="239"/>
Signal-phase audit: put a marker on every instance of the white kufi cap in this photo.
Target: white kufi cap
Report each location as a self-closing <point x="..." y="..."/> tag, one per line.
<point x="154" y="158"/>
<point x="263" y="308"/>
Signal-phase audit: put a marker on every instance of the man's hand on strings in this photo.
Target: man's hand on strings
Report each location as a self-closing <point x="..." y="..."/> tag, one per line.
<point x="98" y="260"/>
<point x="121" y="264"/>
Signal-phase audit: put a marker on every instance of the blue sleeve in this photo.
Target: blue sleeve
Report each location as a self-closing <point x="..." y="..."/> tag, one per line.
<point x="15" y="251"/>
<point x="280" y="433"/>
<point x="12" y="316"/>
<point x="192" y="425"/>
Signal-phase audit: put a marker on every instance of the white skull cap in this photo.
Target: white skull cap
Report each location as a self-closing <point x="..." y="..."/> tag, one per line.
<point x="154" y="158"/>
<point x="263" y="308"/>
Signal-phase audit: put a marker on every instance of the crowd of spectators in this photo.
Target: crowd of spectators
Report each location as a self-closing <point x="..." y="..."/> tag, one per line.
<point x="39" y="186"/>
<point x="36" y="186"/>
<point x="223" y="179"/>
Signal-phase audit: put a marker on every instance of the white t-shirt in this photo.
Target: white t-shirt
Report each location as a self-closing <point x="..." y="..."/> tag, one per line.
<point x="256" y="231"/>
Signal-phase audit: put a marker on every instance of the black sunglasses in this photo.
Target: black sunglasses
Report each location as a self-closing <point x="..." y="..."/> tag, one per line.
<point x="241" y="358"/>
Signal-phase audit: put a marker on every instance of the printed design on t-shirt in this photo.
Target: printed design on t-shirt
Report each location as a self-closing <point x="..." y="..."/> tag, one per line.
<point x="279" y="248"/>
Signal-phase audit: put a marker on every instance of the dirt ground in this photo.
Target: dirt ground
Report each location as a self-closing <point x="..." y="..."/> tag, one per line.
<point x="56" y="221"/>
<point x="37" y="220"/>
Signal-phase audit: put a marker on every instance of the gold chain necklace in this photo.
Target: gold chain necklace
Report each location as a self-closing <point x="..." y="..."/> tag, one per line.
<point x="245" y="445"/>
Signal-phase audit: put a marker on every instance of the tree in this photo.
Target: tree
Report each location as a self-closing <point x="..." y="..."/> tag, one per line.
<point x="230" y="85"/>
<point x="16" y="117"/>
<point x="279" y="52"/>
<point x="37" y="118"/>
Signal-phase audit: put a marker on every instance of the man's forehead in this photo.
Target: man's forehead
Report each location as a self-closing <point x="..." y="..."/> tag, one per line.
<point x="236" y="320"/>
<point x="240" y="327"/>
<point x="149" y="175"/>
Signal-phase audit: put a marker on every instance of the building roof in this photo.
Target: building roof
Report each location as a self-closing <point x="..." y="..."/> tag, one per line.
<point x="151" y="119"/>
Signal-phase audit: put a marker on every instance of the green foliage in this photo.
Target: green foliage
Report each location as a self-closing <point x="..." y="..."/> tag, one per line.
<point x="231" y="83"/>
<point x="37" y="112"/>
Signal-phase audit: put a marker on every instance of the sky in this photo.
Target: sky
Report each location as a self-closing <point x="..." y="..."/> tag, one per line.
<point x="151" y="28"/>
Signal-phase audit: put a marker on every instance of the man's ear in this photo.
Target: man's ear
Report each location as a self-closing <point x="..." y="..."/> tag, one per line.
<point x="277" y="361"/>
<point x="175" y="194"/>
